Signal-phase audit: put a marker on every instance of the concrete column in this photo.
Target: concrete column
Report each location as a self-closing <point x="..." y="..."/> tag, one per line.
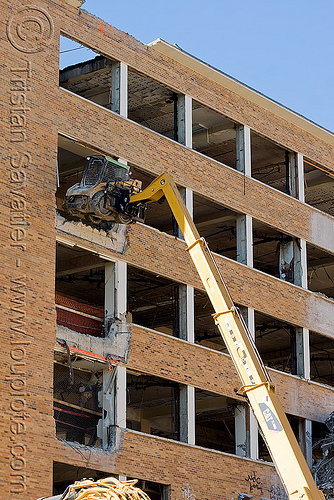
<point x="296" y="171"/>
<point x="186" y="313"/>
<point x="115" y="307"/>
<point x="301" y="178"/>
<point x="121" y="307"/>
<point x="243" y="150"/>
<point x="241" y="439"/>
<point x="109" y="290"/>
<point x="244" y="226"/>
<point x="120" y="403"/>
<point x="303" y="352"/>
<point x="107" y="401"/>
<point x="115" y="298"/>
<point x="187" y="414"/>
<point x="119" y="88"/>
<point x="185" y="120"/>
<point x="307" y="433"/>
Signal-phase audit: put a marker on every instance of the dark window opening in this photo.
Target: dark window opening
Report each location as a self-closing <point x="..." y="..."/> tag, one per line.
<point x="86" y="74"/>
<point x="322" y="359"/>
<point x="153" y="301"/>
<point x="271" y="164"/>
<point x="153" y="406"/>
<point x="77" y="410"/>
<point x="319" y="187"/>
<point x="217" y="224"/>
<point x="214" y="135"/>
<point x="80" y="282"/>
<point x="152" y="104"/>
<point x="206" y="331"/>
<point x="276" y="343"/>
<point x="215" y="421"/>
<point x="274" y="252"/>
<point x="320" y="270"/>
<point x="66" y="474"/>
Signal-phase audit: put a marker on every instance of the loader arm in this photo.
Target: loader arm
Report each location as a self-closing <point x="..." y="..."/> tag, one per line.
<point x="282" y="444"/>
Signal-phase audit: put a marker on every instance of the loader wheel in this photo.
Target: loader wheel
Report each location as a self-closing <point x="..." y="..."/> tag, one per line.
<point x="97" y="204"/>
<point x="124" y="219"/>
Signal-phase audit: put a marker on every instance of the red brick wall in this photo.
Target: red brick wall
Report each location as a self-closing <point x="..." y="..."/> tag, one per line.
<point x="210" y="475"/>
<point x="28" y="248"/>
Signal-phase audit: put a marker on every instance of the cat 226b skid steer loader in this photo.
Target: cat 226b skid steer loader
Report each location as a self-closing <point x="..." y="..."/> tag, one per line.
<point x="103" y="195"/>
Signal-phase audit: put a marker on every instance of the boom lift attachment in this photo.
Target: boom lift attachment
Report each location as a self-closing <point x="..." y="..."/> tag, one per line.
<point x="282" y="444"/>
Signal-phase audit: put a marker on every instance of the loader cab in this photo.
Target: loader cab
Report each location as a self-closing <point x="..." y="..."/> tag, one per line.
<point x="101" y="169"/>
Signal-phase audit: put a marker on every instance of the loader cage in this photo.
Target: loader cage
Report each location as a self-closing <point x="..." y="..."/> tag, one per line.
<point x="103" y="169"/>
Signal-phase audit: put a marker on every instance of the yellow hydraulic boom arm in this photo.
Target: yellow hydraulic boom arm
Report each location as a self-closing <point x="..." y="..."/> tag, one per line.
<point x="282" y="444"/>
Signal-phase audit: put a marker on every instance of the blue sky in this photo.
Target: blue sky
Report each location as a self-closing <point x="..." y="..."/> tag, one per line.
<point x="282" y="48"/>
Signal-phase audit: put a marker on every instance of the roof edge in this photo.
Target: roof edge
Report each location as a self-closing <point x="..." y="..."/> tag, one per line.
<point x="183" y="57"/>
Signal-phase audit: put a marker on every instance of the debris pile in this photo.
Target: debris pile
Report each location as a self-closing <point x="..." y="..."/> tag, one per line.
<point x="324" y="468"/>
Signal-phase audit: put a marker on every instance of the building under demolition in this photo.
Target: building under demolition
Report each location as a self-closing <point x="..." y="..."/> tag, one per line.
<point x="112" y="363"/>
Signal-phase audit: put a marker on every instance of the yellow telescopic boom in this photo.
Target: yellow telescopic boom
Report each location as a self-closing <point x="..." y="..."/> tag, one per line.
<point x="282" y="444"/>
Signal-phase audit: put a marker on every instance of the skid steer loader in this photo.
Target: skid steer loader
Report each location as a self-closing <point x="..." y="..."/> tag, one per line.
<point x="103" y="194"/>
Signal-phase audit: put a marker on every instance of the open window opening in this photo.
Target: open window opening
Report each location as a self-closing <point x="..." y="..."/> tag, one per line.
<point x="80" y="291"/>
<point x="66" y="474"/>
<point x="276" y="342"/>
<point x="153" y="301"/>
<point x="152" y="104"/>
<point x="217" y="224"/>
<point x="320" y="268"/>
<point x="87" y="74"/>
<point x="153" y="405"/>
<point x="272" y="164"/>
<point x="274" y="252"/>
<point x="72" y="52"/>
<point x="214" y="135"/>
<point x="206" y="331"/>
<point x="216" y="421"/>
<point x="319" y="187"/>
<point x="322" y="358"/>
<point x="77" y="410"/>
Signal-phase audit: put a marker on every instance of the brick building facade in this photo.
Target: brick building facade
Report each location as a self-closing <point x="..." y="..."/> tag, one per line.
<point x="258" y="181"/>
